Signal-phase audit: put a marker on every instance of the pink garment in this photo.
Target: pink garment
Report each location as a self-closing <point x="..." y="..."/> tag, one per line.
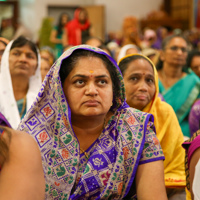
<point x="191" y="147"/>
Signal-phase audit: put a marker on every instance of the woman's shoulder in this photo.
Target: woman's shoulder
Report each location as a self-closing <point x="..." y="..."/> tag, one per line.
<point x="23" y="139"/>
<point x="164" y="108"/>
<point x="23" y="162"/>
<point x="192" y="77"/>
<point x="134" y="111"/>
<point x="130" y="113"/>
<point x="23" y="147"/>
<point x="194" y="141"/>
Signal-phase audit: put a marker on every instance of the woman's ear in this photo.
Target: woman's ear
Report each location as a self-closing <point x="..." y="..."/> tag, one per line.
<point x="162" y="55"/>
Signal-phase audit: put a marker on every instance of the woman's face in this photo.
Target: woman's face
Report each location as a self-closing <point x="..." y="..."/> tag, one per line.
<point x="44" y="68"/>
<point x="64" y="19"/>
<point x="46" y="56"/>
<point x="175" y="52"/>
<point x="195" y="65"/>
<point x="22" y="61"/>
<point x="88" y="88"/>
<point x="82" y="16"/>
<point x="139" y="83"/>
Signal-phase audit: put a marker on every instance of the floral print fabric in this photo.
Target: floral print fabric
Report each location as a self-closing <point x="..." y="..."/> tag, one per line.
<point x="127" y="140"/>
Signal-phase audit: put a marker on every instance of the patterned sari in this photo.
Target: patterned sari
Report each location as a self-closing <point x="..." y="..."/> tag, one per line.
<point x="109" y="170"/>
<point x="190" y="146"/>
<point x="181" y="97"/>
<point x="3" y="121"/>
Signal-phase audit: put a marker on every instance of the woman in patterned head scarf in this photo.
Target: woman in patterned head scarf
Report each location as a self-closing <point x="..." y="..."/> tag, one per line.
<point x="93" y="145"/>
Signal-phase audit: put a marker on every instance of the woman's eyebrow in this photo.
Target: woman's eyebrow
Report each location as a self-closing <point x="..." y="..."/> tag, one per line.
<point x="84" y="76"/>
<point x="150" y="75"/>
<point x="102" y="76"/>
<point x="79" y="75"/>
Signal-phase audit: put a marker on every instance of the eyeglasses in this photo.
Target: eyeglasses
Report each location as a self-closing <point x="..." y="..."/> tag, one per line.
<point x="176" y="48"/>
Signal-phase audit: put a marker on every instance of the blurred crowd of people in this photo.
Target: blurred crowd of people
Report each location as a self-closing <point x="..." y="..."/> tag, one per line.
<point x="160" y="70"/>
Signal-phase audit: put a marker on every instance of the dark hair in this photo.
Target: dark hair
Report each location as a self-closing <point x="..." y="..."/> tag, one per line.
<point x="191" y="55"/>
<point x="165" y="42"/>
<point x="104" y="47"/>
<point x="4" y="144"/>
<point x="22" y="41"/>
<point x="3" y="43"/>
<point x="60" y="25"/>
<point x="123" y="65"/>
<point x="69" y="63"/>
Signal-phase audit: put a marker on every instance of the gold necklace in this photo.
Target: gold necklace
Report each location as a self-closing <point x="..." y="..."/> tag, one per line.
<point x="85" y="153"/>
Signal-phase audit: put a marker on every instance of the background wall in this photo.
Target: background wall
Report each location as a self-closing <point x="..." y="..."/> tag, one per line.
<point x="116" y="10"/>
<point x="33" y="11"/>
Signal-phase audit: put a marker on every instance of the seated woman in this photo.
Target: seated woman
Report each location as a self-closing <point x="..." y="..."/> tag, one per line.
<point x="179" y="89"/>
<point x="20" y="79"/>
<point x="21" y="173"/>
<point x="47" y="54"/>
<point x="192" y="147"/>
<point x="193" y="61"/>
<point x="127" y="49"/>
<point x="44" y="68"/>
<point x="93" y="145"/>
<point x="141" y="84"/>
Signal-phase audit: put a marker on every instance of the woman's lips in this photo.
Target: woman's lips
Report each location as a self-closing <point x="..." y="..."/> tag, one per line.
<point x="141" y="97"/>
<point x="91" y="103"/>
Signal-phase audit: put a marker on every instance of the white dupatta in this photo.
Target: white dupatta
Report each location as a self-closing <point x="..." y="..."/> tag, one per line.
<point x="8" y="104"/>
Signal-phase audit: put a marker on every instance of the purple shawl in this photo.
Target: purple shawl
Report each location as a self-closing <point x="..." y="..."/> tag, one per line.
<point x="3" y="121"/>
<point x="194" y="118"/>
<point x="126" y="141"/>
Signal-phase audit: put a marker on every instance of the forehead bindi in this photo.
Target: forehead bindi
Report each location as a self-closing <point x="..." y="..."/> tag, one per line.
<point x="91" y="66"/>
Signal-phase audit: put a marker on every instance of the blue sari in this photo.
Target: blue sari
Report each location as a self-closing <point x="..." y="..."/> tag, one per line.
<point x="181" y="97"/>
